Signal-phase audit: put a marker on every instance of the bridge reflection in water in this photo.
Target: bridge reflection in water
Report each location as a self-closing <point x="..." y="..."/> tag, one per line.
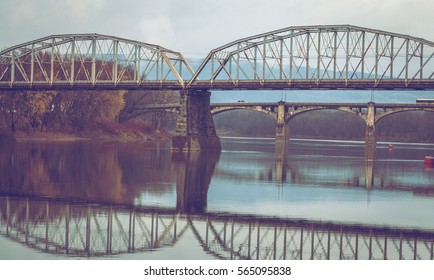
<point x="91" y="230"/>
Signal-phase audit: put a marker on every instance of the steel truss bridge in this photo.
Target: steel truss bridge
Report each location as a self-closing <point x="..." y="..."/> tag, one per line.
<point x="92" y="230"/>
<point x="301" y="57"/>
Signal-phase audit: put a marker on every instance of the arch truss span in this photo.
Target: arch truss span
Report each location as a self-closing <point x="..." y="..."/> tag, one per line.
<point x="321" y="56"/>
<point x="91" y="60"/>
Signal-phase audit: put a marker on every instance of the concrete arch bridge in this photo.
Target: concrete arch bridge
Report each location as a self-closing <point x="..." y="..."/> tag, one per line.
<point x="282" y="112"/>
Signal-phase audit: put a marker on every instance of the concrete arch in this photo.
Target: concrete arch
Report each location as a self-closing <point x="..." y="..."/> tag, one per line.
<point x="297" y="112"/>
<point x="219" y="110"/>
<point x="380" y="116"/>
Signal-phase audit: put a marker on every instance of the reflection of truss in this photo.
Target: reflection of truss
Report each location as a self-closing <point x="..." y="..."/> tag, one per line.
<point x="94" y="230"/>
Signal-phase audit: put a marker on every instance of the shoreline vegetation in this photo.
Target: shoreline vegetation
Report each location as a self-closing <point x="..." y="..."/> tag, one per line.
<point x="132" y="131"/>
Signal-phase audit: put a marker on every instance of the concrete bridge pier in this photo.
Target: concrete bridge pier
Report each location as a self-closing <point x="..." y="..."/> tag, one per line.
<point x="195" y="129"/>
<point x="282" y="131"/>
<point x="370" y="125"/>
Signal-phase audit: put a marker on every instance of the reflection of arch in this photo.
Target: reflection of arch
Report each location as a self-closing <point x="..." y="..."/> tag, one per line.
<point x="85" y="229"/>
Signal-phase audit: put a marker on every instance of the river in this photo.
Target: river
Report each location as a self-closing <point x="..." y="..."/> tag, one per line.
<point x="318" y="200"/>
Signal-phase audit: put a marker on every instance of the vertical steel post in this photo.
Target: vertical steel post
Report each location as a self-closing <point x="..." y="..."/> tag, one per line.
<point x="363" y="54"/>
<point x="370" y="245"/>
<point x="152" y="230"/>
<point x="275" y="242"/>
<point x="137" y="64"/>
<point x="224" y="232"/>
<point x="377" y="55"/>
<point x="264" y="61"/>
<point x="67" y="217"/>
<point x="415" y="248"/>
<point x="8" y="215"/>
<point x="156" y="229"/>
<point x="307" y="54"/>
<point x="347" y="56"/>
<point x="212" y="68"/>
<point x="249" y="242"/>
<point x="32" y="64"/>
<point x="72" y="75"/>
<point x="93" y="70"/>
<point x="285" y="232"/>
<point x="357" y="247"/>
<point x="432" y="248"/>
<point x="385" y="247"/>
<point x="88" y="231"/>
<point x="47" y="213"/>
<point x="335" y="53"/>
<point x="291" y="54"/>
<point x="12" y="66"/>
<point x="52" y="61"/>
<point x="207" y="231"/>
<point x="238" y="63"/>
<point x="301" y="244"/>
<point x="115" y="62"/>
<point x="392" y="39"/>
<point x="109" y="230"/>
<point x="400" y="246"/>
<point x="407" y="53"/>
<point x="312" y="246"/>
<point x="318" y="65"/>
<point x="175" y="225"/>
<point x="421" y="61"/>
<point x="281" y="60"/>
<point x="258" y="240"/>
<point x="130" y="229"/>
<point x="27" y="220"/>
<point x="232" y="239"/>
<point x="341" y="245"/>
<point x="328" y="245"/>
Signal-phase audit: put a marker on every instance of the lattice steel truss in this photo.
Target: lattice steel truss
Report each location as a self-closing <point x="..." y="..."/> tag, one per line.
<point x="91" y="60"/>
<point x="333" y="56"/>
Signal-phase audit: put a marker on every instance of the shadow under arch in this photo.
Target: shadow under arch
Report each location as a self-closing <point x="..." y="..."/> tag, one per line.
<point x="409" y="122"/>
<point x="327" y="116"/>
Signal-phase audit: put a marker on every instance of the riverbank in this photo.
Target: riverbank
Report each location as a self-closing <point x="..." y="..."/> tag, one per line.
<point x="101" y="131"/>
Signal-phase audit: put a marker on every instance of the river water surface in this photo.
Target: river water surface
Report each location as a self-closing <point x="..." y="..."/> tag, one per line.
<point x="318" y="200"/>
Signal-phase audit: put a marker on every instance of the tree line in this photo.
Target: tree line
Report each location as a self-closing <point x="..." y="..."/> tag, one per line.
<point x="79" y="111"/>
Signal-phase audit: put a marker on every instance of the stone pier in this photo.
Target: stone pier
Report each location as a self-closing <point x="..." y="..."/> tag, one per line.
<point x="282" y="132"/>
<point x="370" y="125"/>
<point x="195" y="129"/>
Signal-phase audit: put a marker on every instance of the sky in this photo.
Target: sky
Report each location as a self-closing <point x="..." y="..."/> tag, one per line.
<point x="195" y="27"/>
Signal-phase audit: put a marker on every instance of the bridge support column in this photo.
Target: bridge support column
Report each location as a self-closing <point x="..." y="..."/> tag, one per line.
<point x="282" y="132"/>
<point x="195" y="129"/>
<point x="370" y="125"/>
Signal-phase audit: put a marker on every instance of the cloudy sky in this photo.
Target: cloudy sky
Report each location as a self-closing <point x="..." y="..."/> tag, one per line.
<point x="194" y="27"/>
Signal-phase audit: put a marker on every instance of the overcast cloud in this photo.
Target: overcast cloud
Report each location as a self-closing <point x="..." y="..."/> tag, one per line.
<point x="194" y="27"/>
